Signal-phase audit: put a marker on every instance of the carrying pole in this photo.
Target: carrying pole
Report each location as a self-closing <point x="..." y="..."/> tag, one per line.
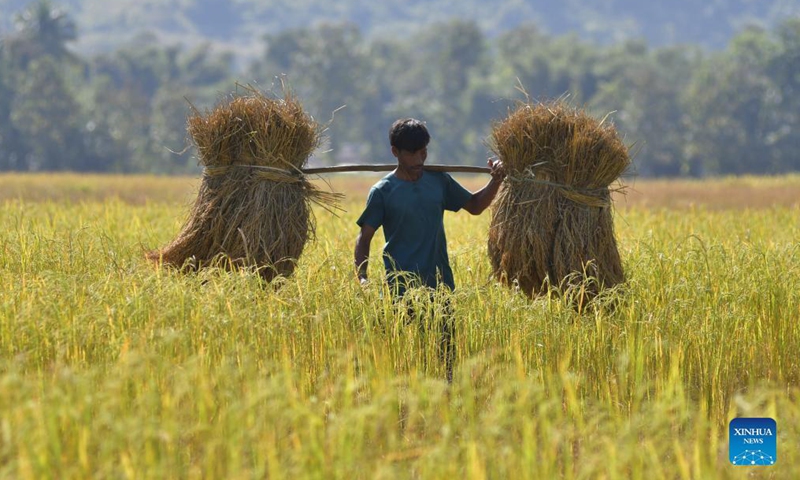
<point x="388" y="167"/>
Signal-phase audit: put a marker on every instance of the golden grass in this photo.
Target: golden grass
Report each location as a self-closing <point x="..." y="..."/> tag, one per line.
<point x="727" y="193"/>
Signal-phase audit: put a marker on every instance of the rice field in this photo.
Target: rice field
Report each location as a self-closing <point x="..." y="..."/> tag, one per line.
<point x="110" y="368"/>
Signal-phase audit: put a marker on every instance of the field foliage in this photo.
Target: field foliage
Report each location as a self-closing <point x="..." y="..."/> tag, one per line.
<point x="110" y="368"/>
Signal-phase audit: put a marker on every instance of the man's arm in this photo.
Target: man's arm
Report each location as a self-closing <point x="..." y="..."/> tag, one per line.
<point x="481" y="199"/>
<point x="363" y="241"/>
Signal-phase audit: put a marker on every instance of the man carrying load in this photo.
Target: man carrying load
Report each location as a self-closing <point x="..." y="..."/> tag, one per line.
<point x="409" y="204"/>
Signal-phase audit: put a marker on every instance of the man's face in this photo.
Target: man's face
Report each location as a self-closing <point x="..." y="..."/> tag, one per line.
<point x="411" y="162"/>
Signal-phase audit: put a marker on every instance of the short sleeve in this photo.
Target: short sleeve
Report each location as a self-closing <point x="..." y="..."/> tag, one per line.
<point x="455" y="195"/>
<point x="373" y="212"/>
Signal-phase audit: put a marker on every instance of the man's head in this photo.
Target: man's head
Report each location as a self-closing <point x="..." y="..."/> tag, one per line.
<point x="409" y="139"/>
<point x="409" y="134"/>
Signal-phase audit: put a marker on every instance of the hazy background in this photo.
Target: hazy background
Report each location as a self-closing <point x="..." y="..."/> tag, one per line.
<point x="698" y="87"/>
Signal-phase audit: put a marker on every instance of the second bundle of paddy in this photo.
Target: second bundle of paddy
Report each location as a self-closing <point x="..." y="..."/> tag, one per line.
<point x="253" y="206"/>
<point x="552" y="224"/>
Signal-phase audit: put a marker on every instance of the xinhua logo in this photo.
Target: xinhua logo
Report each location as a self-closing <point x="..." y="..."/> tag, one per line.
<point x="752" y="441"/>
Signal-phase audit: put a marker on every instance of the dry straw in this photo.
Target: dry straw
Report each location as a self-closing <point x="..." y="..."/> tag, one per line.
<point x="253" y="208"/>
<point x="552" y="224"/>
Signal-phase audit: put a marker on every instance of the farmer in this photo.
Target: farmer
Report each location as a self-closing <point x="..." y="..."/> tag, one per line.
<point x="409" y="204"/>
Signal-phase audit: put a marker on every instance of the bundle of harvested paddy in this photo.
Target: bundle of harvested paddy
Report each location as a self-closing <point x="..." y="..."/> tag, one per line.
<point x="253" y="206"/>
<point x="552" y="223"/>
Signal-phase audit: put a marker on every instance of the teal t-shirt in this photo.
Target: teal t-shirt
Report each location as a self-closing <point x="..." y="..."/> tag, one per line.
<point x="412" y="214"/>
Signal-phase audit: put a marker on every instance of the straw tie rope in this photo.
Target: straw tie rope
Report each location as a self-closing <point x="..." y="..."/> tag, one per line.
<point x="264" y="173"/>
<point x="327" y="200"/>
<point x="590" y="197"/>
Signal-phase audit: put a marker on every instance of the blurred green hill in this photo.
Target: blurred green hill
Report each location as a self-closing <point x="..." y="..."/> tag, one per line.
<point x="701" y="88"/>
<point x="238" y="24"/>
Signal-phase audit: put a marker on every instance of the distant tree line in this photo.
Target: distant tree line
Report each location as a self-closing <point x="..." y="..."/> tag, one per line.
<point x="685" y="111"/>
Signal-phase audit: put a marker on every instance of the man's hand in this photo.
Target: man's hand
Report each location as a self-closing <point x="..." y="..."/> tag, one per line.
<point x="481" y="199"/>
<point x="361" y="254"/>
<point x="497" y="168"/>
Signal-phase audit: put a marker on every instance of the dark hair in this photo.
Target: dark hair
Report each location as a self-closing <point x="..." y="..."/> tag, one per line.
<point x="409" y="134"/>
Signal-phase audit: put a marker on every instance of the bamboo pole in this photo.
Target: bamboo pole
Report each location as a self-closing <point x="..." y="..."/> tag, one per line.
<point x="388" y="167"/>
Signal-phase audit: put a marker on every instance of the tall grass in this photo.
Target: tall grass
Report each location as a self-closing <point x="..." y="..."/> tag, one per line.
<point x="110" y="368"/>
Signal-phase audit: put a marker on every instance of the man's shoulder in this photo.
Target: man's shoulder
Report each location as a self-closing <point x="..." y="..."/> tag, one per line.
<point x="385" y="183"/>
